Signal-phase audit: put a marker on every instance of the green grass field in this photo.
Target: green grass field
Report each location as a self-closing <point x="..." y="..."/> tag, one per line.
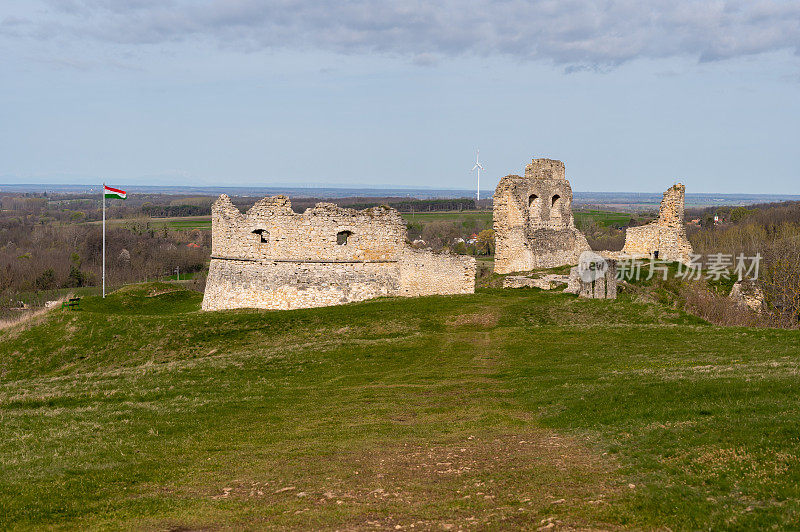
<point x="175" y="223"/>
<point x="601" y="217"/>
<point x="185" y="224"/>
<point x="419" y="217"/>
<point x="505" y="409"/>
<point x="448" y="216"/>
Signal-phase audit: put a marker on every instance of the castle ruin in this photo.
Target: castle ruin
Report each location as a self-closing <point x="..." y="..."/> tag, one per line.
<point x="533" y="222"/>
<point x="664" y="239"/>
<point x="274" y="258"/>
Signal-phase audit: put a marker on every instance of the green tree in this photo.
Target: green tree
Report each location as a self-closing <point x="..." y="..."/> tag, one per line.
<point x="46" y="280"/>
<point x="485" y="242"/>
<point x="739" y="213"/>
<point x="76" y="277"/>
<point x="460" y="248"/>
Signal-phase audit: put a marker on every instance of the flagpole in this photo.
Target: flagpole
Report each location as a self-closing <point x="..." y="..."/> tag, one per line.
<point x="104" y="240"/>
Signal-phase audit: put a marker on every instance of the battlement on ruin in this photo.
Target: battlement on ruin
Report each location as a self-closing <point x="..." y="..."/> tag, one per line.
<point x="545" y="169"/>
<point x="271" y="257"/>
<point x="270" y="230"/>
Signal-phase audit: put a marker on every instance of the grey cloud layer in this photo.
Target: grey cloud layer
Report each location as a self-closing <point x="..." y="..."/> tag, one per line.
<point x="563" y="31"/>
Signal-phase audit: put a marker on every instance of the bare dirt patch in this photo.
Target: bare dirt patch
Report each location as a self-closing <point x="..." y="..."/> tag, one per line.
<point x="27" y="319"/>
<point x="525" y="481"/>
<point x="485" y="319"/>
<point x="161" y="291"/>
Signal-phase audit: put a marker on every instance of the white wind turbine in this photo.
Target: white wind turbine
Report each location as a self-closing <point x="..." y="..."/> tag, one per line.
<point x="478" y="167"/>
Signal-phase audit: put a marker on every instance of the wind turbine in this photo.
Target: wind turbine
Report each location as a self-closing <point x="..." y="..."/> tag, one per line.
<point x="479" y="168"/>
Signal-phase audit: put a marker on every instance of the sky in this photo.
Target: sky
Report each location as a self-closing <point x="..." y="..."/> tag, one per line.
<point x="631" y="95"/>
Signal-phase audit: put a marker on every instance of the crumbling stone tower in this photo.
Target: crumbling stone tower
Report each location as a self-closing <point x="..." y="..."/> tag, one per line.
<point x="273" y="258"/>
<point x="665" y="238"/>
<point x="533" y="222"/>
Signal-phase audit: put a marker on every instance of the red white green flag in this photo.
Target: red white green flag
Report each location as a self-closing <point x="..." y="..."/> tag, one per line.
<point x="114" y="193"/>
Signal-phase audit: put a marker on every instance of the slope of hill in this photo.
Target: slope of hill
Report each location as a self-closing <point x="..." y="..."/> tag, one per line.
<point x="512" y="408"/>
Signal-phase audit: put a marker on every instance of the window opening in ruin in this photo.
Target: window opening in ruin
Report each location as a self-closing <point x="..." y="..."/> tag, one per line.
<point x="263" y="234"/>
<point x="342" y="236"/>
<point x="534" y="202"/>
<point x="555" y="208"/>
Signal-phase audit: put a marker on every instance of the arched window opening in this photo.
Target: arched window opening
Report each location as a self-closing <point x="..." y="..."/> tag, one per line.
<point x="555" y="207"/>
<point x="342" y="236"/>
<point x="534" y="205"/>
<point x="263" y="235"/>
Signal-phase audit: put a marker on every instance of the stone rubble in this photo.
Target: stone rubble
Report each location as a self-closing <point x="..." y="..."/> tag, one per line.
<point x="747" y="294"/>
<point x="545" y="282"/>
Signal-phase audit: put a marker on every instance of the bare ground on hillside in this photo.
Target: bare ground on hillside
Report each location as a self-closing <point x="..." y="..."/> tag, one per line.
<point x="546" y="481"/>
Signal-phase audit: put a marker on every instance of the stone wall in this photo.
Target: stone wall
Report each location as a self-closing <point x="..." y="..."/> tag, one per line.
<point x="603" y="285"/>
<point x="665" y="238"/>
<point x="274" y="258"/>
<point x="533" y="222"/>
<point x="425" y="273"/>
<point x="271" y="230"/>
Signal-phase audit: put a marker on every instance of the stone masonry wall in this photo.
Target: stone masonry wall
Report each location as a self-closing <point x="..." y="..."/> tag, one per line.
<point x="666" y="236"/>
<point x="603" y="286"/>
<point x="424" y="273"/>
<point x="274" y="258"/>
<point x="288" y="285"/>
<point x="533" y="222"/>
<point x="271" y="230"/>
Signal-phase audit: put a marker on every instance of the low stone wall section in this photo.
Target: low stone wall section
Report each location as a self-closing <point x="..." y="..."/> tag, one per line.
<point x="425" y="273"/>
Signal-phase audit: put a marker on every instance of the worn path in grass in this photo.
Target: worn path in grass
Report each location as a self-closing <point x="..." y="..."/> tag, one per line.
<point x="511" y="409"/>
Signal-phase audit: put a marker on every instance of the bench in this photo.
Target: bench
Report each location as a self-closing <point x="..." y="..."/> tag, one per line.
<point x="72" y="304"/>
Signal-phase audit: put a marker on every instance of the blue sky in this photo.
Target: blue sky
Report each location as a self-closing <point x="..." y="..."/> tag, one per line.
<point x="632" y="96"/>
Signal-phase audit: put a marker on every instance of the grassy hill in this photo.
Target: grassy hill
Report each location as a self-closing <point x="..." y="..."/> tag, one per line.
<point x="512" y="409"/>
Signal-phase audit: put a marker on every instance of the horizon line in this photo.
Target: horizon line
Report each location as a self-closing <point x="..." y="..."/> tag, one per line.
<point x="366" y="187"/>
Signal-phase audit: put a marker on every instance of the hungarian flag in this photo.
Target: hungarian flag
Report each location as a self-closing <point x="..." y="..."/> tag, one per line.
<point x="114" y="192"/>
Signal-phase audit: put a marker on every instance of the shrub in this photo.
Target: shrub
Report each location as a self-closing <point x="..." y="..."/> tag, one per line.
<point x="46" y="280"/>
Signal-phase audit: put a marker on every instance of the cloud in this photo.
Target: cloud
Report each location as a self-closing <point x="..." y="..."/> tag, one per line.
<point x="574" y="33"/>
<point x="425" y="59"/>
<point x="13" y="26"/>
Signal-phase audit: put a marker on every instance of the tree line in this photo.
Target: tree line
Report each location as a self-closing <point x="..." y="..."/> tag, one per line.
<point x="773" y="232"/>
<point x="38" y="257"/>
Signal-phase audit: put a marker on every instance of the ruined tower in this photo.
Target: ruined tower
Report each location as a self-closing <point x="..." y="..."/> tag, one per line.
<point x="533" y="222"/>
<point x="274" y="258"/>
<point x="665" y="238"/>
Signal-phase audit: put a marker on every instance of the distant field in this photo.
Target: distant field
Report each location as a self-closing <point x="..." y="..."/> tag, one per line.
<point x="600" y="216"/>
<point x="449" y="216"/>
<point x="200" y="223"/>
<point x="178" y="222"/>
<point x="605" y="218"/>
<point x="506" y="409"/>
<point x="204" y="222"/>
